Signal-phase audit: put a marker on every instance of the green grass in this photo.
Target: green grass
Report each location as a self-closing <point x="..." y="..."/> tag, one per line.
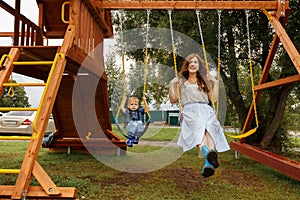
<point x="242" y="179"/>
<point x="295" y="141"/>
<point x="156" y="133"/>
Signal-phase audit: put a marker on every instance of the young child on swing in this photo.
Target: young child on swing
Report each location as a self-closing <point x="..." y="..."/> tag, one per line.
<point x="134" y="119"/>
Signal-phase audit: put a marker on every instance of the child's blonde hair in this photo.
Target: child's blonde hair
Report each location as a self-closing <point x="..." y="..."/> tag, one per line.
<point x="133" y="99"/>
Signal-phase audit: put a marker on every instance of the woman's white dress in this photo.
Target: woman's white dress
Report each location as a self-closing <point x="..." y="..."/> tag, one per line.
<point x="197" y="116"/>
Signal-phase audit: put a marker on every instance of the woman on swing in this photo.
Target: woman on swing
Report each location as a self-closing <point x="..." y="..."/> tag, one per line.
<point x="199" y="125"/>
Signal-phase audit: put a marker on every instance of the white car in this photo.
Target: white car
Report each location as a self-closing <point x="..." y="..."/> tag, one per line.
<point x="21" y="122"/>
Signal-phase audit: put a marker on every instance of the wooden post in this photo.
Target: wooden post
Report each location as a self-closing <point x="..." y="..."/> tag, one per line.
<point x="17" y="20"/>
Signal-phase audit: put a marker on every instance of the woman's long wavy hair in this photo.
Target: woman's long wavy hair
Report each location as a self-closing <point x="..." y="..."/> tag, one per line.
<point x="201" y="73"/>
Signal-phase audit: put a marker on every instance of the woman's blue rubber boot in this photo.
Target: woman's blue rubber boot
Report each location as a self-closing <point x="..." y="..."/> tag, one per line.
<point x="208" y="170"/>
<point x="211" y="156"/>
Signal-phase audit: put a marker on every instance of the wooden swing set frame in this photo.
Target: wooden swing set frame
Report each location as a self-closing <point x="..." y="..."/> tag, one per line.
<point x="76" y="47"/>
<point x="277" y="11"/>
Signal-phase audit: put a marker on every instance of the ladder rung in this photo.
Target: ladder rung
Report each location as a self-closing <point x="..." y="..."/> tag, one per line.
<point x="33" y="63"/>
<point x="22" y="84"/>
<point x="15" y="137"/>
<point x="9" y="171"/>
<point x="17" y="109"/>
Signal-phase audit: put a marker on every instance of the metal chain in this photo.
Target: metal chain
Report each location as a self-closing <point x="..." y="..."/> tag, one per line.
<point x="174" y="59"/>
<point x="219" y="33"/>
<point x="147" y="28"/>
<point x="204" y="53"/>
<point x="121" y="14"/>
<point x="219" y="60"/>
<point x="171" y="26"/>
<point x="146" y="59"/>
<point x="202" y="40"/>
<point x="199" y="25"/>
<point x="248" y="33"/>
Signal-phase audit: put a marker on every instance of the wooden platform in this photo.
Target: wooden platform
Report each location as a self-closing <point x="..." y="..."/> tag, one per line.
<point x="94" y="146"/>
<point x="33" y="53"/>
<point x="284" y="165"/>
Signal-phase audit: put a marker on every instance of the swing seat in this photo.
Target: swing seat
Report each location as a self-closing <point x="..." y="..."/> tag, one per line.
<point x="126" y="135"/>
<point x="250" y="132"/>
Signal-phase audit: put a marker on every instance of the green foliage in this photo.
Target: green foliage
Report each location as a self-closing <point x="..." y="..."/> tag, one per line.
<point x="115" y="80"/>
<point x="18" y="99"/>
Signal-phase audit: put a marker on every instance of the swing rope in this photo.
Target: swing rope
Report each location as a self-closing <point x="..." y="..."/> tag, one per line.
<point x="204" y="53"/>
<point x="174" y="59"/>
<point x="121" y="15"/>
<point x="250" y="132"/>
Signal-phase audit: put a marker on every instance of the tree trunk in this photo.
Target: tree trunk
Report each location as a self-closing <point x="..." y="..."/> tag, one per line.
<point x="231" y="81"/>
<point x="277" y="117"/>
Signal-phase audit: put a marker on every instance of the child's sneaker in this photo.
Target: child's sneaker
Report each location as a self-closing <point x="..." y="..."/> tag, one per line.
<point x="129" y="142"/>
<point x="136" y="140"/>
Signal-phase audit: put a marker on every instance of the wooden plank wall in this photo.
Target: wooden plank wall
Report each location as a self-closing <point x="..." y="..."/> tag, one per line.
<point x="89" y="33"/>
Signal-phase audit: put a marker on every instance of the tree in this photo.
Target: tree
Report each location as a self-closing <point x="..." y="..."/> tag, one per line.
<point x="18" y="99"/>
<point x="115" y="81"/>
<point x="156" y="84"/>
<point x="279" y="96"/>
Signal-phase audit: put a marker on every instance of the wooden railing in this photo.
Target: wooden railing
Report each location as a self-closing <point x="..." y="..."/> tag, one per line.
<point x="26" y="33"/>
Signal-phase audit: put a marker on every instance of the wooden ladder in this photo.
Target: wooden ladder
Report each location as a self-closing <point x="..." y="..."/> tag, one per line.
<point x="30" y="166"/>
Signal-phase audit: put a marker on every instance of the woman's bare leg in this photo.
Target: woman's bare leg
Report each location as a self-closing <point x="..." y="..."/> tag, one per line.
<point x="207" y="140"/>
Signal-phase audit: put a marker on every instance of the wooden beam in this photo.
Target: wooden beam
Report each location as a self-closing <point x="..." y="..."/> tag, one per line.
<point x="280" y="163"/>
<point x="6" y="34"/>
<point x="45" y="181"/>
<point x="37" y="192"/>
<point x="187" y="5"/>
<point x="8" y="66"/>
<point x="93" y="142"/>
<point x="286" y="41"/>
<point x="279" y="82"/>
<point x="101" y="21"/>
<point x="17" y="21"/>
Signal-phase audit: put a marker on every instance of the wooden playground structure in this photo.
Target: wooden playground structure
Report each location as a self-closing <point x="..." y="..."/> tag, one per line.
<point x="83" y="24"/>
